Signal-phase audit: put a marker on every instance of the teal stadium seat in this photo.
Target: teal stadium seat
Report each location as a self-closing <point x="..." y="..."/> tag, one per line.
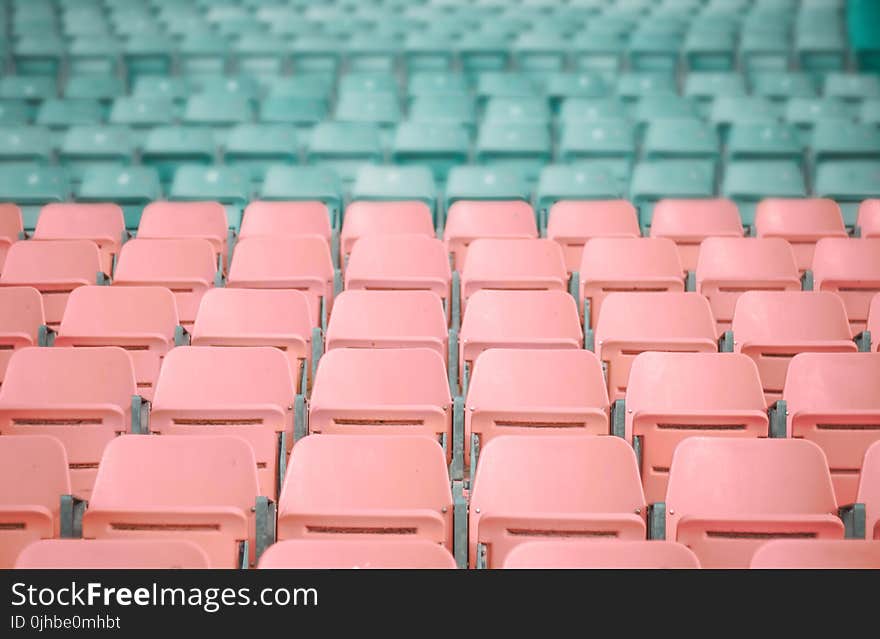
<point x="677" y="179"/>
<point x="305" y="184"/>
<point x="255" y="147"/>
<point x="26" y="144"/>
<point x="848" y="182"/>
<point x="225" y="184"/>
<point x="131" y="187"/>
<point x="31" y="187"/>
<point x="345" y="147"/>
<point x="749" y="182"/>
<point x="438" y="146"/>
<point x="574" y="182"/>
<point x="168" y="147"/>
<point x="88" y="146"/>
<point x="61" y="113"/>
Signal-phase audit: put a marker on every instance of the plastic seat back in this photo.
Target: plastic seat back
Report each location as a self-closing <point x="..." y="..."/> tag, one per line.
<point x="258" y="317"/>
<point x="632" y="323"/>
<point x="771" y="327"/>
<point x="103" y="224"/>
<point x="21" y="319"/>
<point x="689" y="222"/>
<point x="184" y="220"/>
<point x="728" y="496"/>
<point x="388" y="319"/>
<point x="81" y="396"/>
<point x="200" y="489"/>
<point x="53" y="267"/>
<point x="869" y="491"/>
<point x="123" y="554"/>
<point x="294" y="263"/>
<point x="364" y="553"/>
<point x="611" y="264"/>
<point x="868" y="220"/>
<point x="589" y="554"/>
<point x="247" y="392"/>
<point x="34" y="475"/>
<point x="141" y="320"/>
<point x="850" y="268"/>
<point x="266" y="218"/>
<point x="571" y="223"/>
<point x="674" y="396"/>
<point x="727" y="267"/>
<point x="383" y="218"/>
<point x="831" y="400"/>
<point x="356" y="487"/>
<point x="534" y="392"/>
<point x="10" y="229"/>
<point x="802" y="222"/>
<point x="185" y="266"/>
<point x="517" y="319"/>
<point x="400" y="262"/>
<point x="513" y="264"/>
<point x="813" y="554"/>
<point x="527" y="488"/>
<point x="400" y="391"/>
<point x="468" y="220"/>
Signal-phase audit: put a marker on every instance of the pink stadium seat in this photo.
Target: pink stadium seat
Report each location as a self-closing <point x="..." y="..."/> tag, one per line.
<point x="771" y="327"/>
<point x="534" y="392"/>
<point x="53" y="267"/>
<point x="388" y="319"/>
<point x="802" y="222"/>
<point x="513" y="264"/>
<point x="33" y="477"/>
<point x="21" y="319"/>
<point x="278" y="219"/>
<point x="572" y="223"/>
<point x="142" y="320"/>
<point x="589" y="554"/>
<point x="103" y="224"/>
<point x="400" y="262"/>
<point x="383" y="218"/>
<point x="392" y="391"/>
<point x="82" y="396"/>
<point x="104" y="554"/>
<point x="831" y="399"/>
<point x="869" y="491"/>
<point x="186" y="220"/>
<point x="869" y="218"/>
<point x="674" y="396"/>
<point x="359" y="487"/>
<point x="850" y="268"/>
<point x="631" y="323"/>
<point x="728" y="496"/>
<point x="612" y="264"/>
<point x="727" y="267"/>
<point x="517" y="319"/>
<point x="293" y="263"/>
<point x="260" y="317"/>
<point x="199" y="489"/>
<point x="10" y="229"/>
<point x="247" y="392"/>
<point x="529" y="488"/>
<point x="689" y="222"/>
<point x="323" y="554"/>
<point x="874" y="322"/>
<point x="816" y="554"/>
<point x="468" y="220"/>
<point x="185" y="266"/>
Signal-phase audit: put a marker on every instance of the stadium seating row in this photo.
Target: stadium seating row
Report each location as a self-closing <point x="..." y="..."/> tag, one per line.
<point x="387" y="488"/>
